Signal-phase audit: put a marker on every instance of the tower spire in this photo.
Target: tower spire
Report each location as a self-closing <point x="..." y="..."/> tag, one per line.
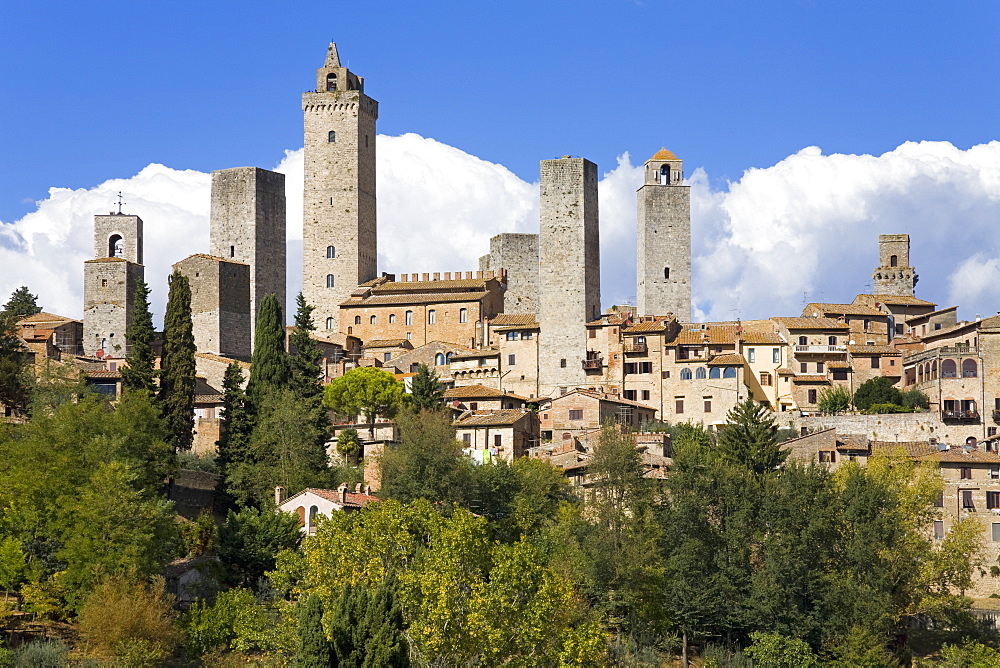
<point x="332" y="57"/>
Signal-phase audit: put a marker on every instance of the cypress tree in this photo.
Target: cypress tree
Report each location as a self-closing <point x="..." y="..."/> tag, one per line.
<point x="177" y="369"/>
<point x="269" y="363"/>
<point x="237" y="426"/>
<point x="385" y="644"/>
<point x="139" y="374"/>
<point x="314" y="649"/>
<point x="306" y="355"/>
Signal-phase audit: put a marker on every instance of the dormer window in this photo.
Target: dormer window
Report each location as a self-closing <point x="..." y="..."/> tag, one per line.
<point x="331" y="82"/>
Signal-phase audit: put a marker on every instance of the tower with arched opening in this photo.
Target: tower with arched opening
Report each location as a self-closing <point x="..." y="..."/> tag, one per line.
<point x="109" y="282"/>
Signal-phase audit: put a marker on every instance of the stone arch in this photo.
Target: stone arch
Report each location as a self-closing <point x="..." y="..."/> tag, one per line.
<point x="116" y="246"/>
<point x="948" y="369"/>
<point x="893" y="261"/>
<point x="969" y="368"/>
<point x="331" y="82"/>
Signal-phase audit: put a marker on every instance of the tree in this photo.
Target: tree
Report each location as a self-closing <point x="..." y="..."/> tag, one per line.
<point x="138" y="372"/>
<point x="348" y="444"/>
<point x="269" y="363"/>
<point x="177" y="368"/>
<point x="748" y="437"/>
<point x="836" y="399"/>
<point x="314" y="648"/>
<point x="366" y="391"/>
<point x="250" y="539"/>
<point x="306" y="355"/>
<point x="915" y="398"/>
<point x="237" y="427"/>
<point x="878" y="390"/>
<point x="427" y="392"/>
<point x="15" y="380"/>
<point x="22" y="303"/>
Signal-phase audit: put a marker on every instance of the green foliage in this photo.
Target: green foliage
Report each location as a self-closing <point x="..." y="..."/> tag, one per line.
<point x="236" y="621"/>
<point x="40" y="654"/>
<point x="367" y="627"/>
<point x="914" y="398"/>
<point x="878" y="390"/>
<point x="772" y="650"/>
<point x="314" y="648"/>
<point x="748" y="439"/>
<point x="348" y="443"/>
<point x="427" y="392"/>
<point x="886" y="408"/>
<point x="22" y="303"/>
<point x="202" y="535"/>
<point x="970" y="655"/>
<point x="250" y="539"/>
<point x="139" y="372"/>
<point x="269" y="365"/>
<point x="177" y="369"/>
<point x="15" y="378"/>
<point x="13" y="564"/>
<point x="306" y="356"/>
<point x="237" y="427"/>
<point x="836" y="399"/>
<point x="427" y="463"/>
<point x="366" y="391"/>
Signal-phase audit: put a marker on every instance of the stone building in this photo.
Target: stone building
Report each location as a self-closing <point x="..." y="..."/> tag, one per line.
<point x="66" y="334"/>
<point x="339" y="236"/>
<point x="569" y="272"/>
<point x="663" y="247"/>
<point x="894" y="275"/>
<point x="517" y="255"/>
<point x="517" y="337"/>
<point x="505" y="434"/>
<point x="220" y="304"/>
<point x="482" y="398"/>
<point x="248" y="225"/>
<point x="867" y="325"/>
<point x="109" y="283"/>
<point x="578" y="412"/>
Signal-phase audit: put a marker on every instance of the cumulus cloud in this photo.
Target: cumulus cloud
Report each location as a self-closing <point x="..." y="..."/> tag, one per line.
<point x="805" y="228"/>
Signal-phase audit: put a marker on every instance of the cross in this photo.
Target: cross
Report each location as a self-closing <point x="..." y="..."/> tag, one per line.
<point x="120" y="202"/>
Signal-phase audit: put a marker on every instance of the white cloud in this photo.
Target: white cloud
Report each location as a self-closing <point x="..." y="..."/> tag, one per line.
<point x="808" y="224"/>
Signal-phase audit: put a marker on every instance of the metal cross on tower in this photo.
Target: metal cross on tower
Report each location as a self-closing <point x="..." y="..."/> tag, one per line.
<point x="120" y="202"/>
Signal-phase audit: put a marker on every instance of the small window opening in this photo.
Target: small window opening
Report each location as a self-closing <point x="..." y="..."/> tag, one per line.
<point x="331" y="137"/>
<point x="331" y="82"/>
<point x="666" y="272"/>
<point x="331" y="252"/>
<point x="329" y="323"/>
<point x="329" y="280"/>
<point x="893" y="261"/>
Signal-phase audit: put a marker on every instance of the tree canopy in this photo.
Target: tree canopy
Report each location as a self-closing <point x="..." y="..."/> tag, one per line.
<point x="366" y="391"/>
<point x="139" y="371"/>
<point x="269" y="367"/>
<point x="427" y="392"/>
<point x="22" y="303"/>
<point x="748" y="437"/>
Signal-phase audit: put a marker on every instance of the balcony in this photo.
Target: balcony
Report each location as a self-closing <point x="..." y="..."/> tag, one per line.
<point x="961" y="416"/>
<point x="636" y="347"/>
<point x="822" y="350"/>
<point x="593" y="364"/>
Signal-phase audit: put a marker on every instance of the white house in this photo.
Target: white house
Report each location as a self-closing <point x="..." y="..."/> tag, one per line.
<point x="310" y="503"/>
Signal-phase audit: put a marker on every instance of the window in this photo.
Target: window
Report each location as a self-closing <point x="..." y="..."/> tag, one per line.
<point x="497" y="440"/>
<point x="409" y="335"/>
<point x="232" y="251"/>
<point x="939" y="530"/>
<point x="104" y="282"/>
<point x="408" y="317"/>
<point x="432" y="317"/>
<point x="331" y="82"/>
<point x="776" y="355"/>
<point x="969" y="369"/>
<point x="729" y="372"/>
<point x="967" y="502"/>
<point x="965" y="473"/>
<point x="948" y="369"/>
<point x="812" y="396"/>
<point x="827" y="456"/>
<point x="386" y="357"/>
<point x="715" y="372"/>
<point x="439" y="359"/>
<point x="840" y="374"/>
<point x="329" y="280"/>
<point x="467" y="438"/>
<point x="576" y="414"/>
<point x="803" y="367"/>
<point x="819" y="367"/>
<point x="751" y="355"/>
<point x="592" y="333"/>
<point x="629" y="368"/>
<point x="666" y="272"/>
<point x="893" y="261"/>
<point x="991" y="431"/>
<point x="392" y="318"/>
<point x="765" y="379"/>
<point x="463" y="315"/>
<point x="875" y="361"/>
<point x="678" y="406"/>
<point x="803" y="340"/>
<point x="357" y="320"/>
<point x="645" y="395"/>
<point x="992" y="500"/>
<point x="833" y="339"/>
<point x="629" y="394"/>
<point x="473" y="405"/>
<point x="562" y="363"/>
<point x="645" y="367"/>
<point x="996" y="532"/>
<point x="699" y="373"/>
<point x="331" y="252"/>
<point x="510" y="360"/>
<point x="329" y="323"/>
<point x="939" y="502"/>
<point x="708" y="405"/>
<point x="371" y="320"/>
<point x="512" y="336"/>
<point x="685" y="374"/>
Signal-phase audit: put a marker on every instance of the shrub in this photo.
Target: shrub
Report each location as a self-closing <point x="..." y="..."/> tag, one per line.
<point x="40" y="654"/>
<point x="236" y="621"/>
<point x="836" y="399"/>
<point x="772" y="650"/>
<point x="914" y="398"/>
<point x="877" y="391"/>
<point x="887" y="408"/>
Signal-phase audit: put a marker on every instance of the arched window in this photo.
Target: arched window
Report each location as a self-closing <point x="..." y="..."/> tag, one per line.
<point x="431" y="317"/>
<point x="920" y="373"/>
<point x="409" y="317"/>
<point x="392" y="318"/>
<point x="699" y="373"/>
<point x="331" y="137"/>
<point x="301" y="512"/>
<point x="934" y="370"/>
<point x="313" y="514"/>
<point x="357" y="320"/>
<point x="116" y="247"/>
<point x="803" y="340"/>
<point x="664" y="175"/>
<point x="329" y="323"/>
<point x="893" y="261"/>
<point x="832" y="340"/>
<point x="969" y="368"/>
<point x="715" y="372"/>
<point x="331" y="82"/>
<point x="439" y="359"/>
<point x="730" y="372"/>
<point x="331" y="252"/>
<point x="372" y="320"/>
<point x="685" y="374"/>
<point x="463" y="315"/>
<point x="447" y="357"/>
<point x="948" y="369"/>
<point x="329" y="280"/>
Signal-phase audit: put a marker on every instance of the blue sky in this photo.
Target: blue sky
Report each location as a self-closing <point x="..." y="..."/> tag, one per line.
<point x="98" y="91"/>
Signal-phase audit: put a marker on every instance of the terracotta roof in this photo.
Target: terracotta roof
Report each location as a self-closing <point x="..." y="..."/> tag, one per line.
<point x="478" y="392"/>
<point x="853" y="442"/>
<point x="872" y="350"/>
<point x="430" y="286"/>
<point x="730" y="359"/>
<point x="103" y="374"/>
<point x="664" y="154"/>
<point x="214" y="258"/>
<point x="352" y="498"/>
<point x="388" y="343"/>
<point x="208" y="398"/>
<point x="785" y="371"/>
<point x="490" y="418"/>
<point x="842" y="309"/>
<point x="902" y="300"/>
<point x="706" y="333"/>
<point x="604" y="397"/>
<point x="515" y="320"/>
<point x="106" y="259"/>
<point x="811" y="323"/>
<point x="224" y="360"/>
<point x="992" y="321"/>
<point x="760" y="336"/>
<point x="418" y="298"/>
<point x="35" y="334"/>
<point x="809" y="378"/>
<point x="911" y="448"/>
<point x="45" y="317"/>
<point x="926" y="316"/>
<point x="643" y="327"/>
<point x="960" y="456"/>
<point x="475" y="354"/>
<point x="836" y="364"/>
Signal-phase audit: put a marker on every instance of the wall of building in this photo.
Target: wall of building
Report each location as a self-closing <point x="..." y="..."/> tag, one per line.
<point x="518" y="255"/>
<point x="108" y="294"/>
<point x="664" y="244"/>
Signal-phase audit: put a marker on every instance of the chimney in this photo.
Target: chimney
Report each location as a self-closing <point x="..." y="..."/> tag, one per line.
<point x="359" y="488"/>
<point x="342" y="490"/>
<point x="279" y="495"/>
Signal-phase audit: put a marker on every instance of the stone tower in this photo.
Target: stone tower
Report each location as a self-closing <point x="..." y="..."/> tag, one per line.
<point x="569" y="270"/>
<point x="109" y="282"/>
<point x="248" y="226"/>
<point x="220" y="304"/>
<point x="517" y="254"/>
<point x="663" y="247"/>
<point x="894" y="275"/>
<point x="338" y="231"/>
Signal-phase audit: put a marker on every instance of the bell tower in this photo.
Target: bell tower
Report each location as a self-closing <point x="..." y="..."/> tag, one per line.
<point x="339" y="239"/>
<point x="109" y="282"/>
<point x="894" y="275"/>
<point x="663" y="244"/>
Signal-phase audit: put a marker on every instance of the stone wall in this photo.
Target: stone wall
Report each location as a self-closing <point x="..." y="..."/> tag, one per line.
<point x="108" y="294"/>
<point x="663" y="251"/>
<point x="894" y="275"/>
<point x="220" y="305"/>
<point x="890" y="427"/>
<point x="518" y="255"/>
<point x="129" y="228"/>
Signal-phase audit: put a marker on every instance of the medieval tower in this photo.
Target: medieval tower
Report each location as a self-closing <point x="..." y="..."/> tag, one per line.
<point x="109" y="283"/>
<point x="894" y="275"/>
<point x="569" y="270"/>
<point x="663" y="247"/>
<point x="248" y="226"/>
<point x="220" y="304"/>
<point x="339" y="242"/>
<point x="517" y="254"/>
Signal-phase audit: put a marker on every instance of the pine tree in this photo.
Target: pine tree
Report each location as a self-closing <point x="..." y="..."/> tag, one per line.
<point x="139" y="374"/>
<point x="306" y="355"/>
<point x="748" y="438"/>
<point x="427" y="392"/>
<point x="22" y="303"/>
<point x="269" y="363"/>
<point x="177" y="370"/>
<point x="385" y="644"/>
<point x="314" y="649"/>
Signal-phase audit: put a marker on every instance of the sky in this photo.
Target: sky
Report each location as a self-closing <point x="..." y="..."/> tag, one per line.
<point x="806" y="128"/>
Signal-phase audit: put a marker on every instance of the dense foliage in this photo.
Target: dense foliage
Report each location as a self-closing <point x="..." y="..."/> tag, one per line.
<point x="878" y="390"/>
<point x="140" y="361"/>
<point x="366" y="391"/>
<point x="177" y="369"/>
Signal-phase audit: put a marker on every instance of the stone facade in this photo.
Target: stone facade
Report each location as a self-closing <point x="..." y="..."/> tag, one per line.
<point x="579" y="412"/>
<point x="118" y="235"/>
<point x="109" y="283"/>
<point x="663" y="246"/>
<point x="212" y="369"/>
<point x="339" y="240"/>
<point x="569" y="272"/>
<point x="220" y="304"/>
<point x="248" y="225"/>
<point x="517" y="254"/>
<point x="894" y="275"/>
<point x="505" y="434"/>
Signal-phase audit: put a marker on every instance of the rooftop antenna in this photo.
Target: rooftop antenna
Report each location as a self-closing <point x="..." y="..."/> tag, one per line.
<point x="120" y="202"/>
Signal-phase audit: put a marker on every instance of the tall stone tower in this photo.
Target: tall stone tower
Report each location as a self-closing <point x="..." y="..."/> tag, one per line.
<point x="894" y="275"/>
<point x="517" y="254"/>
<point x="339" y="242"/>
<point x="569" y="270"/>
<point x="220" y="304"/>
<point x="109" y="282"/>
<point x="663" y="247"/>
<point x="248" y="226"/>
